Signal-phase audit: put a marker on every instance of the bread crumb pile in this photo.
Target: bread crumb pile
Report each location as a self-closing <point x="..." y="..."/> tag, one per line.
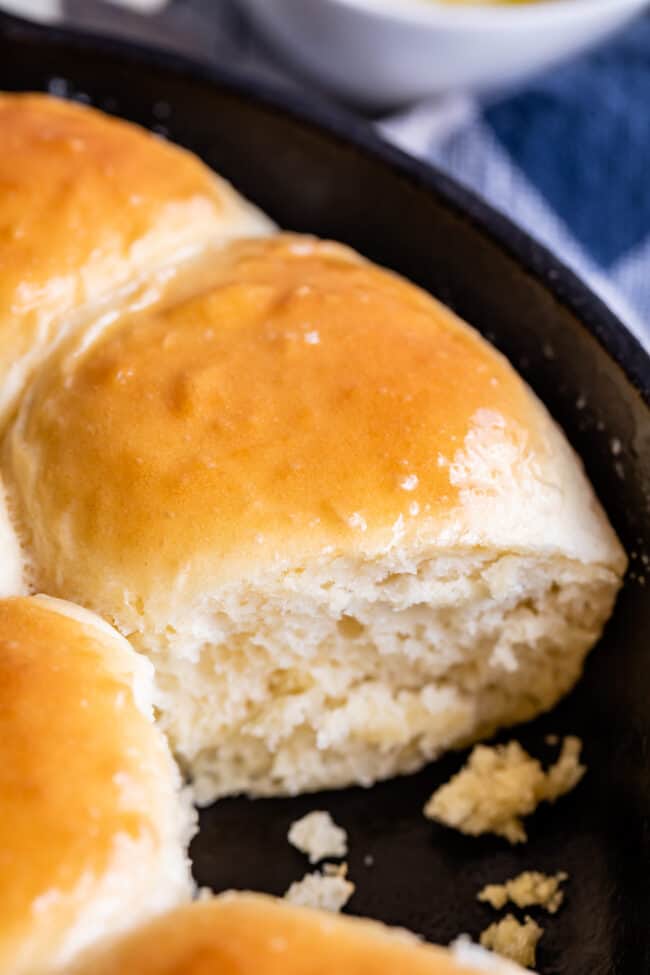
<point x="499" y="785"/>
<point x="529" y="889"/>
<point x="513" y="940"/>
<point x="326" y="891"/>
<point x="318" y="836"/>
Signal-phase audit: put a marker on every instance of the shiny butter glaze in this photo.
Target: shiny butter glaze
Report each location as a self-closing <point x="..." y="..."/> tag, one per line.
<point x="79" y="763"/>
<point x="305" y="400"/>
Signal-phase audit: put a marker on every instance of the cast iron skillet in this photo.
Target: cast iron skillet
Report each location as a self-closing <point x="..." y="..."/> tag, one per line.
<point x="325" y="173"/>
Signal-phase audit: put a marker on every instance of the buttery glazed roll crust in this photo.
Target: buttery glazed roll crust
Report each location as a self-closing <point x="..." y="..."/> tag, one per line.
<point x="92" y="829"/>
<point x="247" y="934"/>
<point x="308" y="402"/>
<point x="93" y="208"/>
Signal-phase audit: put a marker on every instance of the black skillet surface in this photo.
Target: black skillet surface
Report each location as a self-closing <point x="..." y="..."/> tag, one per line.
<point x="315" y="172"/>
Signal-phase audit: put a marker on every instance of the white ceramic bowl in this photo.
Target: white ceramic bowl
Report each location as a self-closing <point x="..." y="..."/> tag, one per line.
<point x="388" y="52"/>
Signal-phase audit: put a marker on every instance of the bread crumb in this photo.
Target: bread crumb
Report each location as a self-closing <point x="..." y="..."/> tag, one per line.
<point x="552" y="740"/>
<point x="369" y="860"/>
<point x="529" y="889"/>
<point x="565" y="774"/>
<point x="327" y="891"/>
<point x="496" y="895"/>
<point x="501" y="784"/>
<point x="317" y="835"/>
<point x="513" y="940"/>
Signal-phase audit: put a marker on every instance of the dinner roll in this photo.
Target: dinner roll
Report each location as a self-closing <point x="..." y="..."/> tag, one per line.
<point x="93" y="208"/>
<point x="12" y="574"/>
<point x="344" y="530"/>
<point x="93" y="827"/>
<point x="250" y="934"/>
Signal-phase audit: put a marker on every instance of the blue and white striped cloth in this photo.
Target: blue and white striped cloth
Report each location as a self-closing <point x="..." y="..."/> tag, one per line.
<point x="567" y="156"/>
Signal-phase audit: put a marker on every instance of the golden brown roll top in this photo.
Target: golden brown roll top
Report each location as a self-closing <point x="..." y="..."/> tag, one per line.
<point x="306" y="404"/>
<point x="92" y="829"/>
<point x="247" y="934"/>
<point x="92" y="209"/>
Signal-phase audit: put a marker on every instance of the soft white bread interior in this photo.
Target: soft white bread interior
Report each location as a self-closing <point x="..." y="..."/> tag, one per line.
<point x="344" y="530"/>
<point x="93" y="210"/>
<point x="93" y="823"/>
<point x="250" y="934"/>
<point x="12" y="569"/>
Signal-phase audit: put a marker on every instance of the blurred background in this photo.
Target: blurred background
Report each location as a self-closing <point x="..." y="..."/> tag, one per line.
<point x="543" y="108"/>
